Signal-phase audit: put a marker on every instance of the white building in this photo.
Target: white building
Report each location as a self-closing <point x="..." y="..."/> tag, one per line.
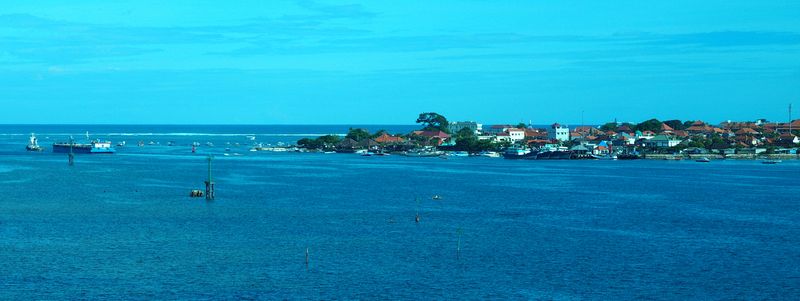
<point x="516" y="134"/>
<point x="457" y="126"/>
<point x="662" y="141"/>
<point x="558" y="132"/>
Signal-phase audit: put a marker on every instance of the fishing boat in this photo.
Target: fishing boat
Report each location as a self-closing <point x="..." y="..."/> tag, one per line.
<point x="489" y="154"/>
<point x="33" y="145"/>
<point x="424" y="152"/>
<point x="605" y="157"/>
<point x="629" y="156"/>
<point x="517" y="153"/>
<point x="554" y="155"/>
<point x="703" y="160"/>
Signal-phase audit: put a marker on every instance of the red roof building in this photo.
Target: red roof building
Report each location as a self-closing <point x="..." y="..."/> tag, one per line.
<point x="386" y="138"/>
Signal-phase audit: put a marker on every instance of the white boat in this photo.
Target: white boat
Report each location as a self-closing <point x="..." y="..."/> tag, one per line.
<point x="33" y="146"/>
<point x="424" y="152"/>
<point x="458" y="154"/>
<point x="121" y="144"/>
<point x="703" y="160"/>
<point x="489" y="154"/>
<point x="251" y="138"/>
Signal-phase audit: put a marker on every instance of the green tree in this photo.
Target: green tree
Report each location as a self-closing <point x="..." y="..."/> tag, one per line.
<point x="521" y="125"/>
<point x="611" y="126"/>
<point x="675" y="124"/>
<point x="465" y="133"/>
<point x="330" y="139"/>
<point x="433" y="122"/>
<point x="310" y="143"/>
<point x="379" y="133"/>
<point x="357" y="134"/>
<point x="652" y="125"/>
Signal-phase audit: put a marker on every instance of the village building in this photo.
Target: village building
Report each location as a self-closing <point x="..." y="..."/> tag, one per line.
<point x="662" y="141"/>
<point x="558" y="132"/>
<point x="455" y="127"/>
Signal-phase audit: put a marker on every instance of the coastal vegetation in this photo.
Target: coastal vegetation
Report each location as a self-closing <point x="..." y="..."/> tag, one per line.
<point x="650" y="136"/>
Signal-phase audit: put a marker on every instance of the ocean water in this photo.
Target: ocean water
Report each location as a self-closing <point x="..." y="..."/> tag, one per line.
<point x="123" y="227"/>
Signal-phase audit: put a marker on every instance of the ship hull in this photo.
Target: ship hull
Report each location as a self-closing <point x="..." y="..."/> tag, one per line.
<point x="81" y="149"/>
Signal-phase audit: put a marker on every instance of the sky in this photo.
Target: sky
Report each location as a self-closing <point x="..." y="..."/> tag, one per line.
<point x="384" y="62"/>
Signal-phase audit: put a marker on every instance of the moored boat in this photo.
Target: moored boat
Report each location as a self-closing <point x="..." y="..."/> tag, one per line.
<point x="703" y="160"/>
<point x="424" y="152"/>
<point x="517" y="153"/>
<point x="489" y="154"/>
<point x="92" y="147"/>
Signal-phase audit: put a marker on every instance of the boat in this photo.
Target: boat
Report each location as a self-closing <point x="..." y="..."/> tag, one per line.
<point x="121" y="144"/>
<point x="91" y="147"/>
<point x="251" y="138"/>
<point x="33" y="146"/>
<point x="424" y="152"/>
<point x="703" y="160"/>
<point x="329" y="152"/>
<point x="436" y="197"/>
<point x="209" y="144"/>
<point x="554" y="155"/>
<point x="517" y="153"/>
<point x="171" y="143"/>
<point x="489" y="154"/>
<point x="771" y="161"/>
<point x="605" y="157"/>
<point x="629" y="156"/>
<point x="459" y="154"/>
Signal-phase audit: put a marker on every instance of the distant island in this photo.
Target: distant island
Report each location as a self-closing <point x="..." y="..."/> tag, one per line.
<point x="648" y="139"/>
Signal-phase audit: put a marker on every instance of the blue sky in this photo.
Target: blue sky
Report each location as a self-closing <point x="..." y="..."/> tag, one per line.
<point x="350" y="62"/>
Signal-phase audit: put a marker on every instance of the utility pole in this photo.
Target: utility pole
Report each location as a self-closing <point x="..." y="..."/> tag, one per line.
<point x="209" y="182"/>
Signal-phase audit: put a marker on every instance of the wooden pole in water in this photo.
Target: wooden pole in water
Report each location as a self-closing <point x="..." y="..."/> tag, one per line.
<point x="416" y="218"/>
<point x="209" y="182"/>
<point x="458" y="244"/>
<point x="71" y="154"/>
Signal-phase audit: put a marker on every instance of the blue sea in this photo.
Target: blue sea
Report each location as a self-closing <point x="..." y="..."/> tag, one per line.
<point x="123" y="226"/>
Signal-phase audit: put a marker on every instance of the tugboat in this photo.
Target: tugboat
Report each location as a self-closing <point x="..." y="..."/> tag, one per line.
<point x="33" y="146"/>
